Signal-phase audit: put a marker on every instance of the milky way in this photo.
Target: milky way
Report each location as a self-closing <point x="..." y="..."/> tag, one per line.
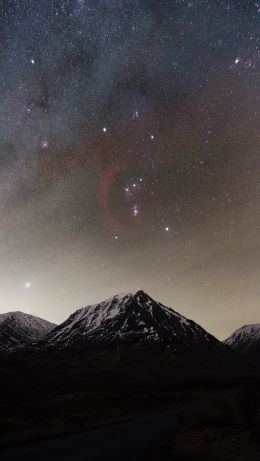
<point x="129" y="156"/>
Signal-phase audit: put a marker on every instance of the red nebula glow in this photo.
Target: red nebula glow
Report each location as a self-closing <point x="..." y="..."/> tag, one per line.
<point x="108" y="179"/>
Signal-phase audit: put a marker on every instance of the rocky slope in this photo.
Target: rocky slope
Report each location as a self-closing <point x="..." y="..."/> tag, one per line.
<point x="18" y="330"/>
<point x="129" y="319"/>
<point x="246" y="340"/>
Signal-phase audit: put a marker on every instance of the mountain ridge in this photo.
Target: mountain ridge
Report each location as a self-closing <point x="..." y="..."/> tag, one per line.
<point x="19" y="330"/>
<point x="123" y="319"/>
<point x="245" y="340"/>
<point x="129" y="319"/>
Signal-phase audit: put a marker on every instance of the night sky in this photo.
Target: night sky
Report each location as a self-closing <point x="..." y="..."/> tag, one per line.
<point x="130" y="155"/>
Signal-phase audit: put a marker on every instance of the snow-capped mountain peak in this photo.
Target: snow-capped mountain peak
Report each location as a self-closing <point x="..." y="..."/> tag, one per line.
<point x="246" y="340"/>
<point x="128" y="319"/>
<point x="18" y="330"/>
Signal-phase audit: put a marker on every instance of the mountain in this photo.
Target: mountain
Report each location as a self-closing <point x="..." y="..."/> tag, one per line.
<point x="129" y="319"/>
<point x="18" y="330"/>
<point x="246" y="340"/>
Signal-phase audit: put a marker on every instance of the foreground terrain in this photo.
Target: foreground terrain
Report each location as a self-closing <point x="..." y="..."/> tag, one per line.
<point x="214" y="425"/>
<point x="127" y="375"/>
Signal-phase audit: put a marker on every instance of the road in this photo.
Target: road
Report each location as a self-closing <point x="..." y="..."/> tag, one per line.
<point x="126" y="441"/>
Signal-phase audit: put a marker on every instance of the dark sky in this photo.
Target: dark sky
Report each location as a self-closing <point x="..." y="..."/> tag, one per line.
<point x="129" y="156"/>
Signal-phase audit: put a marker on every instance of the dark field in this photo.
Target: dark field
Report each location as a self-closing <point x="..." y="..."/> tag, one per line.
<point x="216" y="415"/>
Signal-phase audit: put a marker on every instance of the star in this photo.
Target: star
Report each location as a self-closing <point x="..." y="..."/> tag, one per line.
<point x="135" y="210"/>
<point x="44" y="144"/>
<point x="107" y="151"/>
<point x="135" y="115"/>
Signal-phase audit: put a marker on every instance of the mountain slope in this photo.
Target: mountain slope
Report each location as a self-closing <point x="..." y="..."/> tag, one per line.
<point x="129" y="319"/>
<point x="246" y="340"/>
<point x="18" y="330"/>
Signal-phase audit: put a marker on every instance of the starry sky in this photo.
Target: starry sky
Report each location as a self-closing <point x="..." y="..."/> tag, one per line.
<point x="129" y="156"/>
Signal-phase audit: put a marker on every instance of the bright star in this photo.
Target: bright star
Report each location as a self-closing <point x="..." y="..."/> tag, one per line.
<point x="44" y="144"/>
<point x="28" y="285"/>
<point x="135" y="210"/>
